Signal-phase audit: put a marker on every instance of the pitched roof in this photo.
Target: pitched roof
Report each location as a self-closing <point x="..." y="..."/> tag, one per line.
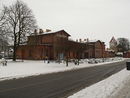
<point x="46" y="33"/>
<point x="113" y="39"/>
<point x="57" y="32"/>
<point x="94" y="41"/>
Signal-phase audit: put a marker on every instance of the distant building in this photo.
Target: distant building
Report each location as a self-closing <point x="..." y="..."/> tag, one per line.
<point x="113" y="44"/>
<point x="109" y="53"/>
<point x="3" y="47"/>
<point x="126" y="54"/>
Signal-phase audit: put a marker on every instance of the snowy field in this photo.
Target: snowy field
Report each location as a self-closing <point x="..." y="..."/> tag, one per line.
<point x="108" y="88"/>
<point x="28" y="68"/>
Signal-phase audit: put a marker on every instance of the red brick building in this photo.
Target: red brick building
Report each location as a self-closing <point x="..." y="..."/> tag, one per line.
<point x="95" y="49"/>
<point x="41" y="46"/>
<point x="50" y="45"/>
<point x="56" y="45"/>
<point x="109" y="53"/>
<point x="126" y="54"/>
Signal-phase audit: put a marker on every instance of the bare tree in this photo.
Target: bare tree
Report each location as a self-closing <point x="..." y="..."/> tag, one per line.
<point x="67" y="49"/>
<point x="2" y="22"/>
<point x="80" y="48"/>
<point x="3" y="36"/>
<point x="20" y="22"/>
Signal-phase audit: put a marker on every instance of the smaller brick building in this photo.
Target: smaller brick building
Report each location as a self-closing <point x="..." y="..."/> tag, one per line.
<point x="109" y="53"/>
<point x="126" y="54"/>
<point x="95" y="49"/>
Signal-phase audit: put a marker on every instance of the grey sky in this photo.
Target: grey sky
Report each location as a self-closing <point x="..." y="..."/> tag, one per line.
<point x="93" y="19"/>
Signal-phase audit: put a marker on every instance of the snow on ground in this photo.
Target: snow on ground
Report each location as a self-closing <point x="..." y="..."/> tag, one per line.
<point x="124" y="92"/>
<point x="106" y="88"/>
<point x="28" y="68"/>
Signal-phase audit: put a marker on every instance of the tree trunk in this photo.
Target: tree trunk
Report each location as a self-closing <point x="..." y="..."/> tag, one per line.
<point x="15" y="46"/>
<point x="14" y="53"/>
<point x="78" y="58"/>
<point x="67" y="60"/>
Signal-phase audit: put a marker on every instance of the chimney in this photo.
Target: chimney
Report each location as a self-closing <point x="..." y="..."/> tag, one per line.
<point x="35" y="31"/>
<point x="87" y="40"/>
<point x="40" y="31"/>
<point x="76" y="40"/>
<point x="80" y="40"/>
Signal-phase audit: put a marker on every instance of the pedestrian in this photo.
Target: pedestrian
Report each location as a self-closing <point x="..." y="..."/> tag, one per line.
<point x="75" y="62"/>
<point x="5" y="62"/>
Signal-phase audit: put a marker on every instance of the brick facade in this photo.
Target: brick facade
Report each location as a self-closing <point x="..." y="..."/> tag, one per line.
<point x="55" y="45"/>
<point x="95" y="49"/>
<point x="46" y="46"/>
<point x="126" y="54"/>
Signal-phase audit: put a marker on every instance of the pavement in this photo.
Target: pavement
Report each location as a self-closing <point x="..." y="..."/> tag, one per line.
<point x="124" y="91"/>
<point x="57" y="85"/>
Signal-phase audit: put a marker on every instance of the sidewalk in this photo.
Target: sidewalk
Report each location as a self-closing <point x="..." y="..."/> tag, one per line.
<point x="124" y="90"/>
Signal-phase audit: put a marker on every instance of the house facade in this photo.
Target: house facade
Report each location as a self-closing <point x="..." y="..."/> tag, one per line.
<point x="41" y="46"/>
<point x="50" y="45"/>
<point x="56" y="45"/>
<point x="3" y="47"/>
<point x="95" y="49"/>
<point x="126" y="54"/>
<point x="109" y="53"/>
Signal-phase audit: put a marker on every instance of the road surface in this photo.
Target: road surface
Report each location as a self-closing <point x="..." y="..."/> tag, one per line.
<point x="57" y="85"/>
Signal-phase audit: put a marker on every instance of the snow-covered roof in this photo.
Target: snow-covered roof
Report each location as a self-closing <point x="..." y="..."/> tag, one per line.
<point x="44" y="33"/>
<point x="93" y="41"/>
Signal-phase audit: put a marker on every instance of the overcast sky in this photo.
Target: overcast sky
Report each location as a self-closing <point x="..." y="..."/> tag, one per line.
<point x="93" y="19"/>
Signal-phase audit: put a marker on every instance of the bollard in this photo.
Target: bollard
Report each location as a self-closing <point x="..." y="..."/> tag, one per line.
<point x="128" y="65"/>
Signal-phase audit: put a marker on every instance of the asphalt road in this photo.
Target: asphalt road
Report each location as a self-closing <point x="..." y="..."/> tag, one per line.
<point x="58" y="85"/>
